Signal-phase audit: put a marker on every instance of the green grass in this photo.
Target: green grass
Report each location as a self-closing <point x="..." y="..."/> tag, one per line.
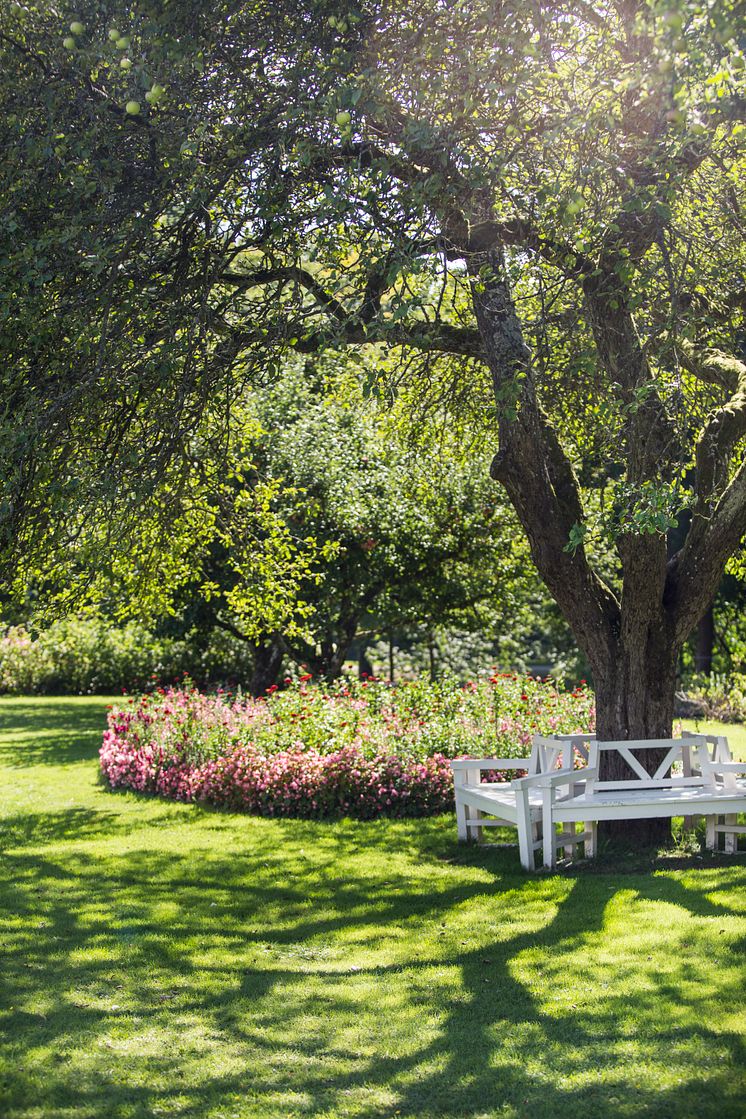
<point x="734" y="732"/>
<point x="164" y="960"/>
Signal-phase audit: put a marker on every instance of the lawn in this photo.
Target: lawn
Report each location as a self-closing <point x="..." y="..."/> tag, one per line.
<point x="735" y="733"/>
<point x="165" y="960"/>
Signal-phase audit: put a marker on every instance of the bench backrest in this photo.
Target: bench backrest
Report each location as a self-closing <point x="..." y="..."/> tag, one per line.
<point x="547" y="754"/>
<point x="651" y="762"/>
<point x="708" y="758"/>
<point x="560" y="751"/>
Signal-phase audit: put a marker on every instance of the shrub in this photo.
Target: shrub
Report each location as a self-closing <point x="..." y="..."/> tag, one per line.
<point x="363" y="750"/>
<point x="719" y="697"/>
<point x="84" y="656"/>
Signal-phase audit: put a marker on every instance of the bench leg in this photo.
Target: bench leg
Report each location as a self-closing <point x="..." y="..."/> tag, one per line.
<point x="711" y="836"/>
<point x="731" y="837"/>
<point x="549" y="844"/>
<point x="478" y="833"/>
<point x="568" y="830"/>
<point x="525" y="842"/>
<point x="591" y="844"/>
<point x="463" y="831"/>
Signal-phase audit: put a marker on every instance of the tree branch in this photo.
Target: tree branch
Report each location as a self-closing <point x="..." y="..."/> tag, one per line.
<point x="723" y="428"/>
<point x="284" y="274"/>
<point x="695" y="571"/>
<point x="535" y="470"/>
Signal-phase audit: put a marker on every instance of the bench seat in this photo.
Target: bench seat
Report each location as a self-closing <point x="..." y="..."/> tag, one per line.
<point x="484" y="804"/>
<point x="499" y="799"/>
<point x="627" y="804"/>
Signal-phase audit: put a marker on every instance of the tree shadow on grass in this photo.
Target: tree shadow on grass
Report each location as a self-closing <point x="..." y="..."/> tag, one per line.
<point x="35" y="829"/>
<point x="44" y="732"/>
<point x="200" y="982"/>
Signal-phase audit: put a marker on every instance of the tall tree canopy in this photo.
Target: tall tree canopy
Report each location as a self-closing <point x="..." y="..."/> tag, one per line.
<point x="535" y="207"/>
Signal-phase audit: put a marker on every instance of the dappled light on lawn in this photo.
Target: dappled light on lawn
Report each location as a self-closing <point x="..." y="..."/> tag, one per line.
<point x="168" y="959"/>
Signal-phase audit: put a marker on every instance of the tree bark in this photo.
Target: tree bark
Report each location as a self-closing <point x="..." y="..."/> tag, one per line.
<point x="268" y="656"/>
<point x="705" y="641"/>
<point x="635" y="693"/>
<point x="328" y="662"/>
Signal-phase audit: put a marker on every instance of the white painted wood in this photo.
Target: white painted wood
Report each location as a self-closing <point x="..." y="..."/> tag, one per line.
<point x="711" y="785"/>
<point x="491" y="804"/>
<point x="476" y="823"/>
<point x="462" y="824"/>
<point x="591" y="843"/>
<point x="549" y="845"/>
<point x="525" y="828"/>
<point x="713" y="790"/>
<point x="711" y="836"/>
<point x="458" y="765"/>
<point x="731" y="841"/>
<point x="568" y="836"/>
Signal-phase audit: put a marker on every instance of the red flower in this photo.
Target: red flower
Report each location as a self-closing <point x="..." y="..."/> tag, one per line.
<point x="307" y="676"/>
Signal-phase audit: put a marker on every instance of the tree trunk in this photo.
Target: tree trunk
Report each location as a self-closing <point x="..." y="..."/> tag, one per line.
<point x="635" y="700"/>
<point x="268" y="656"/>
<point x="705" y="641"/>
<point x="364" y="665"/>
<point x="633" y="638"/>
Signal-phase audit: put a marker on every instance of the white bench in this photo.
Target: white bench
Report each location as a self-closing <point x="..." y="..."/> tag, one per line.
<point x="518" y="803"/>
<point x="676" y="786"/>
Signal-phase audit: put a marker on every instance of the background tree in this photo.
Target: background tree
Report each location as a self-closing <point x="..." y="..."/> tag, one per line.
<point x="404" y="532"/>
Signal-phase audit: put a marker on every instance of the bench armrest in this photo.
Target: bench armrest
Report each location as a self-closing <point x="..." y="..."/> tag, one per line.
<point x="489" y="763"/>
<point x="558" y="777"/>
<point x="727" y="767"/>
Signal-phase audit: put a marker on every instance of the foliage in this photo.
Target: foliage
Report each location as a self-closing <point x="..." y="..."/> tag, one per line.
<point x="300" y="783"/>
<point x="721" y="697"/>
<point x="161" y="956"/>
<point x="80" y="656"/>
<point x="413" y="719"/>
<point x="404" y="530"/>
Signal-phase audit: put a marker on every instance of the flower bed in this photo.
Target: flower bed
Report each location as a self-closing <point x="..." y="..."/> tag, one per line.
<point x="362" y="750"/>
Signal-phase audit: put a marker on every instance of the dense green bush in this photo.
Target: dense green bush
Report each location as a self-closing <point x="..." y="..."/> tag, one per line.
<point x="719" y="696"/>
<point x="82" y="656"/>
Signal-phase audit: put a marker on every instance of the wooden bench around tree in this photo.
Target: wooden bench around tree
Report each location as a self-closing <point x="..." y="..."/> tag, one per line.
<point x="696" y="776"/>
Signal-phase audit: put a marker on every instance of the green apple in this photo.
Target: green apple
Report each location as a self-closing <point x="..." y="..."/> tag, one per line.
<point x="77" y="27"/>
<point x="155" y="94"/>
<point x="69" y="43"/>
<point x="114" y="35"/>
<point x="126" y="63"/>
<point x="674" y="20"/>
<point x="343" y="118"/>
<point x="133" y="108"/>
<point x="123" y="42"/>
